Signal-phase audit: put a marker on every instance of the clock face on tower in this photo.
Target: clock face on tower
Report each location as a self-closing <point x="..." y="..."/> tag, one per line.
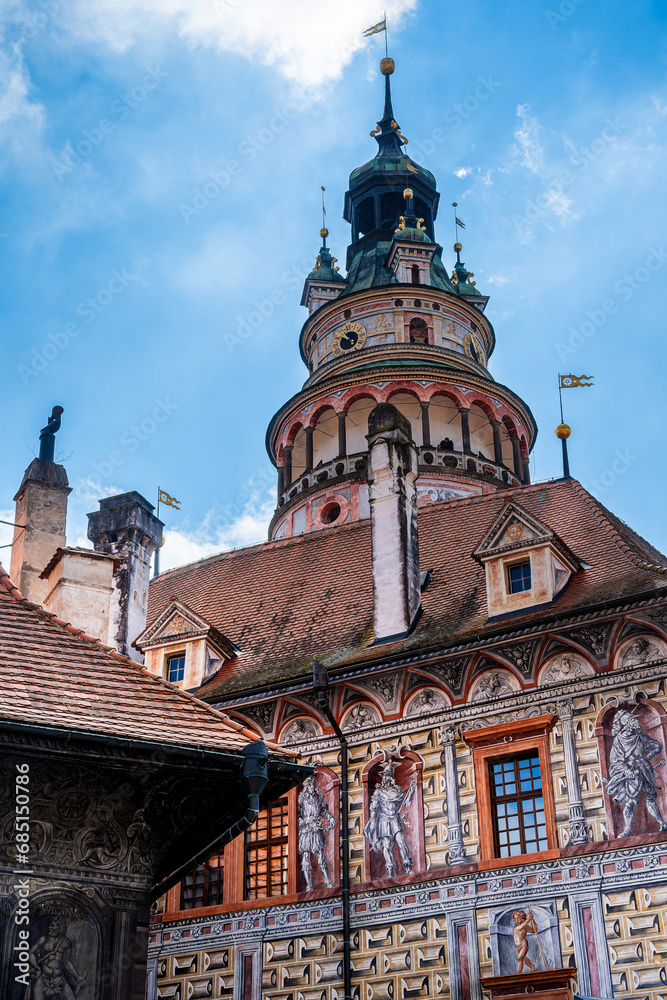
<point x="350" y="337"/>
<point x="473" y="348"/>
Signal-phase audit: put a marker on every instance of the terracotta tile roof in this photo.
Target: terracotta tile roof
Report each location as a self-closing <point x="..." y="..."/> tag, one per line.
<point x="54" y="675"/>
<point x="286" y="603"/>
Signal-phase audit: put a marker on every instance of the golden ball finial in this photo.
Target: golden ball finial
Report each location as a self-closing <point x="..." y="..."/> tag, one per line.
<point x="387" y="66"/>
<point x="563" y="431"/>
<point x="324" y="233"/>
<point x="458" y="247"/>
<point x="408" y="193"/>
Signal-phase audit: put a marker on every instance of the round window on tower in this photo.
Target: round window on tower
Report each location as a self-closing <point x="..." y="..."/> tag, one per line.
<point x="331" y="513"/>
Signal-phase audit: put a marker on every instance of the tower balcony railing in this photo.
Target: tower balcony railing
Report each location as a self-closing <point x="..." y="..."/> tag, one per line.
<point x="431" y="459"/>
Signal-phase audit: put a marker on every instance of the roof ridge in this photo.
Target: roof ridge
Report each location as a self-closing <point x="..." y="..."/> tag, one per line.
<point x="16" y="595"/>
<point x="600" y="513"/>
<point x="269" y="543"/>
<point x="305" y="537"/>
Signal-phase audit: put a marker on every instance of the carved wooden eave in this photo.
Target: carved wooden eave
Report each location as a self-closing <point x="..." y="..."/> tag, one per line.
<point x="179" y="623"/>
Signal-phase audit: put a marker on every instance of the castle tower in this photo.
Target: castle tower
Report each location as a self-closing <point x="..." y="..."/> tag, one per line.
<point x="398" y="329"/>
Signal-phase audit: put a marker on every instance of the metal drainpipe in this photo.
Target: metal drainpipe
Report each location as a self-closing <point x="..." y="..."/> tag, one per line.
<point x="321" y="685"/>
<point x="255" y="778"/>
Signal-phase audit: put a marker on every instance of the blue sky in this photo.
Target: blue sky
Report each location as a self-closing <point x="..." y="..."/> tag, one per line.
<point x="160" y="172"/>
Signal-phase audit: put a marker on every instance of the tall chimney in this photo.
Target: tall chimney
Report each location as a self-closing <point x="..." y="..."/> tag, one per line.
<point x="392" y="475"/>
<point x="41" y="511"/>
<point x="126" y="527"/>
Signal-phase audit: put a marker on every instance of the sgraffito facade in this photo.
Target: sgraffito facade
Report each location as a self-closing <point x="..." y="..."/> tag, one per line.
<point x="595" y="891"/>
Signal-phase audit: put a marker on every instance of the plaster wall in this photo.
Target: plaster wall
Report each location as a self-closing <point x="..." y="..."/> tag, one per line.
<point x="79" y="591"/>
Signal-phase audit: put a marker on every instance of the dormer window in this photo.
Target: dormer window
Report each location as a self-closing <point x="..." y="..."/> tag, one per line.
<point x="176" y="668"/>
<point x="180" y="634"/>
<point x="519" y="577"/>
<point x="526" y="565"/>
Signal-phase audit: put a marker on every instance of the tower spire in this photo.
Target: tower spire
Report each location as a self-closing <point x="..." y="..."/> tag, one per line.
<point x="388" y="134"/>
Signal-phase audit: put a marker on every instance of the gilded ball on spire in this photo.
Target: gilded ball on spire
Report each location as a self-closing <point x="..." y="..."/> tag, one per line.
<point x="458" y="248"/>
<point x="387" y="66"/>
<point x="408" y="193"/>
<point x="563" y="432"/>
<point x="324" y="233"/>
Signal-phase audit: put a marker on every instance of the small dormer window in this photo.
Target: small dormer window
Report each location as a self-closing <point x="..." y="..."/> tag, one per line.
<point x="176" y="668"/>
<point x="519" y="577"/>
<point x="525" y="563"/>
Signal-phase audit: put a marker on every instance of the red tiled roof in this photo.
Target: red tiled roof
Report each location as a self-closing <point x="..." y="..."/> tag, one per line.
<point x="54" y="675"/>
<point x="286" y="603"/>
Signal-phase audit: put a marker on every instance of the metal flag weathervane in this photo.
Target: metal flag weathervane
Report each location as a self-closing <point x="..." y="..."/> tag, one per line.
<point x="457" y="222"/>
<point x="563" y="430"/>
<point x="167" y="501"/>
<point x="375" y="29"/>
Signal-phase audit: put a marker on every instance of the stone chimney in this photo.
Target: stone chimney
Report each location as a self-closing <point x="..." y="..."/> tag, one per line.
<point x="125" y="527"/>
<point x="79" y="589"/>
<point x="41" y="507"/>
<point x="392" y="476"/>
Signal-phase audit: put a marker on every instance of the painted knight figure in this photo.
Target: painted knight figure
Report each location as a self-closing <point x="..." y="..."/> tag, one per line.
<point x="385" y="828"/>
<point x="631" y="773"/>
<point x="315" y="820"/>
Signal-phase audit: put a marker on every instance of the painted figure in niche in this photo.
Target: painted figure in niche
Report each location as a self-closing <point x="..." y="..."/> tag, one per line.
<point x="55" y="976"/>
<point x="385" y="825"/>
<point x="314" y="819"/>
<point x="492" y="685"/>
<point x="524" y="924"/>
<point x="299" y="731"/>
<point x="641" y="651"/>
<point x="359" y="717"/>
<point x="564" y="668"/>
<point x="631" y="773"/>
<point x="427" y="701"/>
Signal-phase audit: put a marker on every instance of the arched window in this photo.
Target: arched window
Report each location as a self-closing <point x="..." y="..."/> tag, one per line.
<point x="418" y="331"/>
<point x="415" y="274"/>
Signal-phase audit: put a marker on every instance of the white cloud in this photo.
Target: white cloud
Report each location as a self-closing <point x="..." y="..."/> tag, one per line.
<point x="248" y="527"/>
<point x="21" y="119"/>
<point x="309" y="43"/>
<point x="529" y="146"/>
<point x="463" y="172"/>
<point x="6" y="536"/>
<point x="87" y="490"/>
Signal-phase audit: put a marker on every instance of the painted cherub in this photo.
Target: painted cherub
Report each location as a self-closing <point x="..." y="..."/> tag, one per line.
<point x="524" y="924"/>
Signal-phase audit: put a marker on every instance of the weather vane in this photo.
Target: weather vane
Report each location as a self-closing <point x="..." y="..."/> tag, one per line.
<point x="457" y="222"/>
<point x="167" y="501"/>
<point x="563" y="430"/>
<point x="375" y="29"/>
